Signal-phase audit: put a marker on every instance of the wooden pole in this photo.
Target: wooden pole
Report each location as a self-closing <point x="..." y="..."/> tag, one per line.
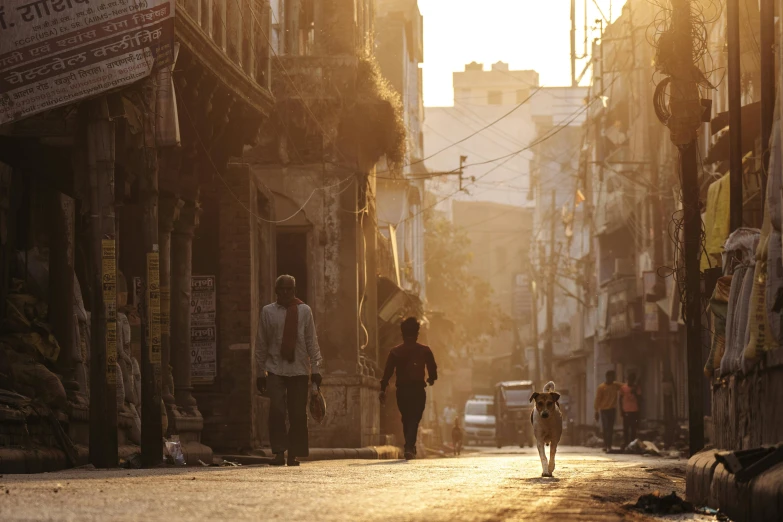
<point x="103" y="353"/>
<point x="151" y="424"/>
<point x="735" y="113"/>
<point x="550" y="295"/>
<point x="684" y="124"/>
<point x="538" y="376"/>
<point x="767" y="17"/>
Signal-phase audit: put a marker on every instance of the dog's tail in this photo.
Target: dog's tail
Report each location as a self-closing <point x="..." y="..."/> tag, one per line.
<point x="550" y="387"/>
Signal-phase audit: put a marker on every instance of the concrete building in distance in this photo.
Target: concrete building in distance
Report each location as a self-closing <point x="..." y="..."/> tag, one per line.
<point x="492" y="125"/>
<point x="499" y="244"/>
<point x="521" y="141"/>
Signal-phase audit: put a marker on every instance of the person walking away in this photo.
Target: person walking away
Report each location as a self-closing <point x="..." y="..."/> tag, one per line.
<point x="606" y="406"/>
<point x="287" y="358"/>
<point x="409" y="361"/>
<point x="630" y="396"/>
<point x="449" y="414"/>
<point x="456" y="437"/>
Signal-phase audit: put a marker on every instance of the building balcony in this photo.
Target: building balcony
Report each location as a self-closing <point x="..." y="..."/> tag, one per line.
<point x="229" y="39"/>
<point x="617" y="309"/>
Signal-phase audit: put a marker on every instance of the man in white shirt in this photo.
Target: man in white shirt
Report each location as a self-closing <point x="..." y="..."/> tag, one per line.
<point x="287" y="355"/>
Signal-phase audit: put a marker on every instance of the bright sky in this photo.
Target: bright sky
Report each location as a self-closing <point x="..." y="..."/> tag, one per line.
<point x="528" y="34"/>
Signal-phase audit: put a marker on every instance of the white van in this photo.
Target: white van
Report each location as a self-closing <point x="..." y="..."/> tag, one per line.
<point x="479" y="420"/>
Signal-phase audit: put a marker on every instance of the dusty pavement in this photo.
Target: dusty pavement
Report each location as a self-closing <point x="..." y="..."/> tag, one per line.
<point x="486" y="486"/>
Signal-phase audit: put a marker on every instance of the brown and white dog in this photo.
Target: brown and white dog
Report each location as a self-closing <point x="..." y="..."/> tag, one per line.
<point x="547" y="423"/>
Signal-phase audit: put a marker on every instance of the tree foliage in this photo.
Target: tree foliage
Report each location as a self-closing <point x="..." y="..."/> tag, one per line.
<point x="464" y="299"/>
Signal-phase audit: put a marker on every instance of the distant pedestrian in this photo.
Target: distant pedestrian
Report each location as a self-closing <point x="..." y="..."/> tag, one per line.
<point x="409" y="361"/>
<point x="287" y="357"/>
<point x="456" y="437"/>
<point x="606" y="406"/>
<point x="449" y="414"/>
<point x="630" y="397"/>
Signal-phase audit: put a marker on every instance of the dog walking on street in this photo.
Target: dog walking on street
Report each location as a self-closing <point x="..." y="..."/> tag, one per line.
<point x="547" y="423"/>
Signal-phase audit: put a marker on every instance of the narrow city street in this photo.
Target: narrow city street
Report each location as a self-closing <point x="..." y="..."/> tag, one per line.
<point x="481" y="485"/>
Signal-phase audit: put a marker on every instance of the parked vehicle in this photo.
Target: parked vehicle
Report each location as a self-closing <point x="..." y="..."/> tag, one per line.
<point x="479" y="420"/>
<point x="513" y="409"/>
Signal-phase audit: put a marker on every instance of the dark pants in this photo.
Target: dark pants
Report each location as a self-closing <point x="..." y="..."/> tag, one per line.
<point x="288" y="396"/>
<point x="607" y="421"/>
<point x="411" y="399"/>
<point x="630" y="423"/>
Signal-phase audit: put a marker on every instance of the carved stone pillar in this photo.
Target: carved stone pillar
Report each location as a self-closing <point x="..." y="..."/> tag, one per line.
<point x="181" y="270"/>
<point x="168" y="211"/>
<point x="188" y="422"/>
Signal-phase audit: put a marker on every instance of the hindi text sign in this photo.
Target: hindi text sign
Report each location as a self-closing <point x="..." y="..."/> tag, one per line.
<point x="56" y="52"/>
<point x="203" y="330"/>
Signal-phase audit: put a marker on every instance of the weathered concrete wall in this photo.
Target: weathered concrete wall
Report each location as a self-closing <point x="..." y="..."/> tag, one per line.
<point x="353" y="413"/>
<point x="328" y="198"/>
<point x="747" y="411"/>
<point x="338" y="258"/>
<point x="233" y="413"/>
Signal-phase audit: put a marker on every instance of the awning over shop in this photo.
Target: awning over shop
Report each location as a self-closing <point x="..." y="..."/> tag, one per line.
<point x="751" y="129"/>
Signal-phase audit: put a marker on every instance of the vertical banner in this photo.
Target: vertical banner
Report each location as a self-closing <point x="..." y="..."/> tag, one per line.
<point x="165" y="310"/>
<point x="109" y="278"/>
<point x="203" y="329"/>
<point x="153" y="307"/>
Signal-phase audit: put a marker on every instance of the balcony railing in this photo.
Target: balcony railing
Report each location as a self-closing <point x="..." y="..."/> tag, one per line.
<point x="238" y="29"/>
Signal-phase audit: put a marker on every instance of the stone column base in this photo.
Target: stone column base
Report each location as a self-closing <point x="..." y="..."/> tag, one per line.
<point x="188" y="428"/>
<point x="352" y="413"/>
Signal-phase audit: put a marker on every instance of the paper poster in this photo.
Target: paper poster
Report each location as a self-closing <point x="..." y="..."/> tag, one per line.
<point x="203" y="330"/>
<point x="153" y="307"/>
<point x="109" y="279"/>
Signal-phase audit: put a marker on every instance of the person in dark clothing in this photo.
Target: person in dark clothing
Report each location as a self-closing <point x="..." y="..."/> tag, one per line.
<point x="409" y="361"/>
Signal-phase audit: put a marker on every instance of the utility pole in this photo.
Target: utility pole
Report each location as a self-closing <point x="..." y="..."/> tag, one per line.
<point x="538" y="377"/>
<point x="767" y="19"/>
<point x="103" y="264"/>
<point x="550" y="294"/>
<point x="462" y="160"/>
<point x="574" y="83"/>
<point x="735" y="113"/>
<point x="684" y="123"/>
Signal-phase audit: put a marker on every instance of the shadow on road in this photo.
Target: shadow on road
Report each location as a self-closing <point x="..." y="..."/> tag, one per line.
<point x="539" y="480"/>
<point x="381" y="463"/>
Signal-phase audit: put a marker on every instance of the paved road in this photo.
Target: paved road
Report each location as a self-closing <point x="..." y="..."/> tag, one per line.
<point x="486" y="486"/>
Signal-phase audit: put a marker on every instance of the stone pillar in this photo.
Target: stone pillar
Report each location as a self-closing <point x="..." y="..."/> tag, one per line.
<point x="61" y="275"/>
<point x="168" y="211"/>
<point x="187" y="420"/>
<point x="181" y="270"/>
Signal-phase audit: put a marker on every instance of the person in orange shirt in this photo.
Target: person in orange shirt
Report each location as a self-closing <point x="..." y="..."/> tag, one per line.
<point x="630" y="396"/>
<point x="605" y="406"/>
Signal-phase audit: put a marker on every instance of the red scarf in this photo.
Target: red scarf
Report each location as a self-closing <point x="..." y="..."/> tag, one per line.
<point x="290" y="330"/>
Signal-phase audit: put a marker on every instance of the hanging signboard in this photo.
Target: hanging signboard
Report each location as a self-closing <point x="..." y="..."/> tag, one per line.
<point x="56" y="52"/>
<point x="203" y="330"/>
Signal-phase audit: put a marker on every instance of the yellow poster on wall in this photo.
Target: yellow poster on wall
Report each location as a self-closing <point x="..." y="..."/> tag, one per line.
<point x="109" y="279"/>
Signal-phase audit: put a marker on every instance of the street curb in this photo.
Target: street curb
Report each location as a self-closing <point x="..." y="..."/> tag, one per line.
<point x="316" y="454"/>
<point x="709" y="483"/>
<point x="44" y="460"/>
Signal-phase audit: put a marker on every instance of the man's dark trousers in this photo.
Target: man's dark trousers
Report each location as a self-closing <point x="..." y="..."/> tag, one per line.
<point x="630" y="424"/>
<point x="288" y="395"/>
<point x="411" y="399"/>
<point x="607" y="420"/>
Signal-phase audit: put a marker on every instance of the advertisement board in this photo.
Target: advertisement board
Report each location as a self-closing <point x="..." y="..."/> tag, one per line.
<point x="203" y="329"/>
<point x="56" y="52"/>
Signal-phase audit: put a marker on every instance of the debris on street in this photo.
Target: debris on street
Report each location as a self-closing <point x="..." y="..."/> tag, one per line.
<point x="658" y="504"/>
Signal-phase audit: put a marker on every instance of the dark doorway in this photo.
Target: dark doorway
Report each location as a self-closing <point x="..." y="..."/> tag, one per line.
<point x="292" y="258"/>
